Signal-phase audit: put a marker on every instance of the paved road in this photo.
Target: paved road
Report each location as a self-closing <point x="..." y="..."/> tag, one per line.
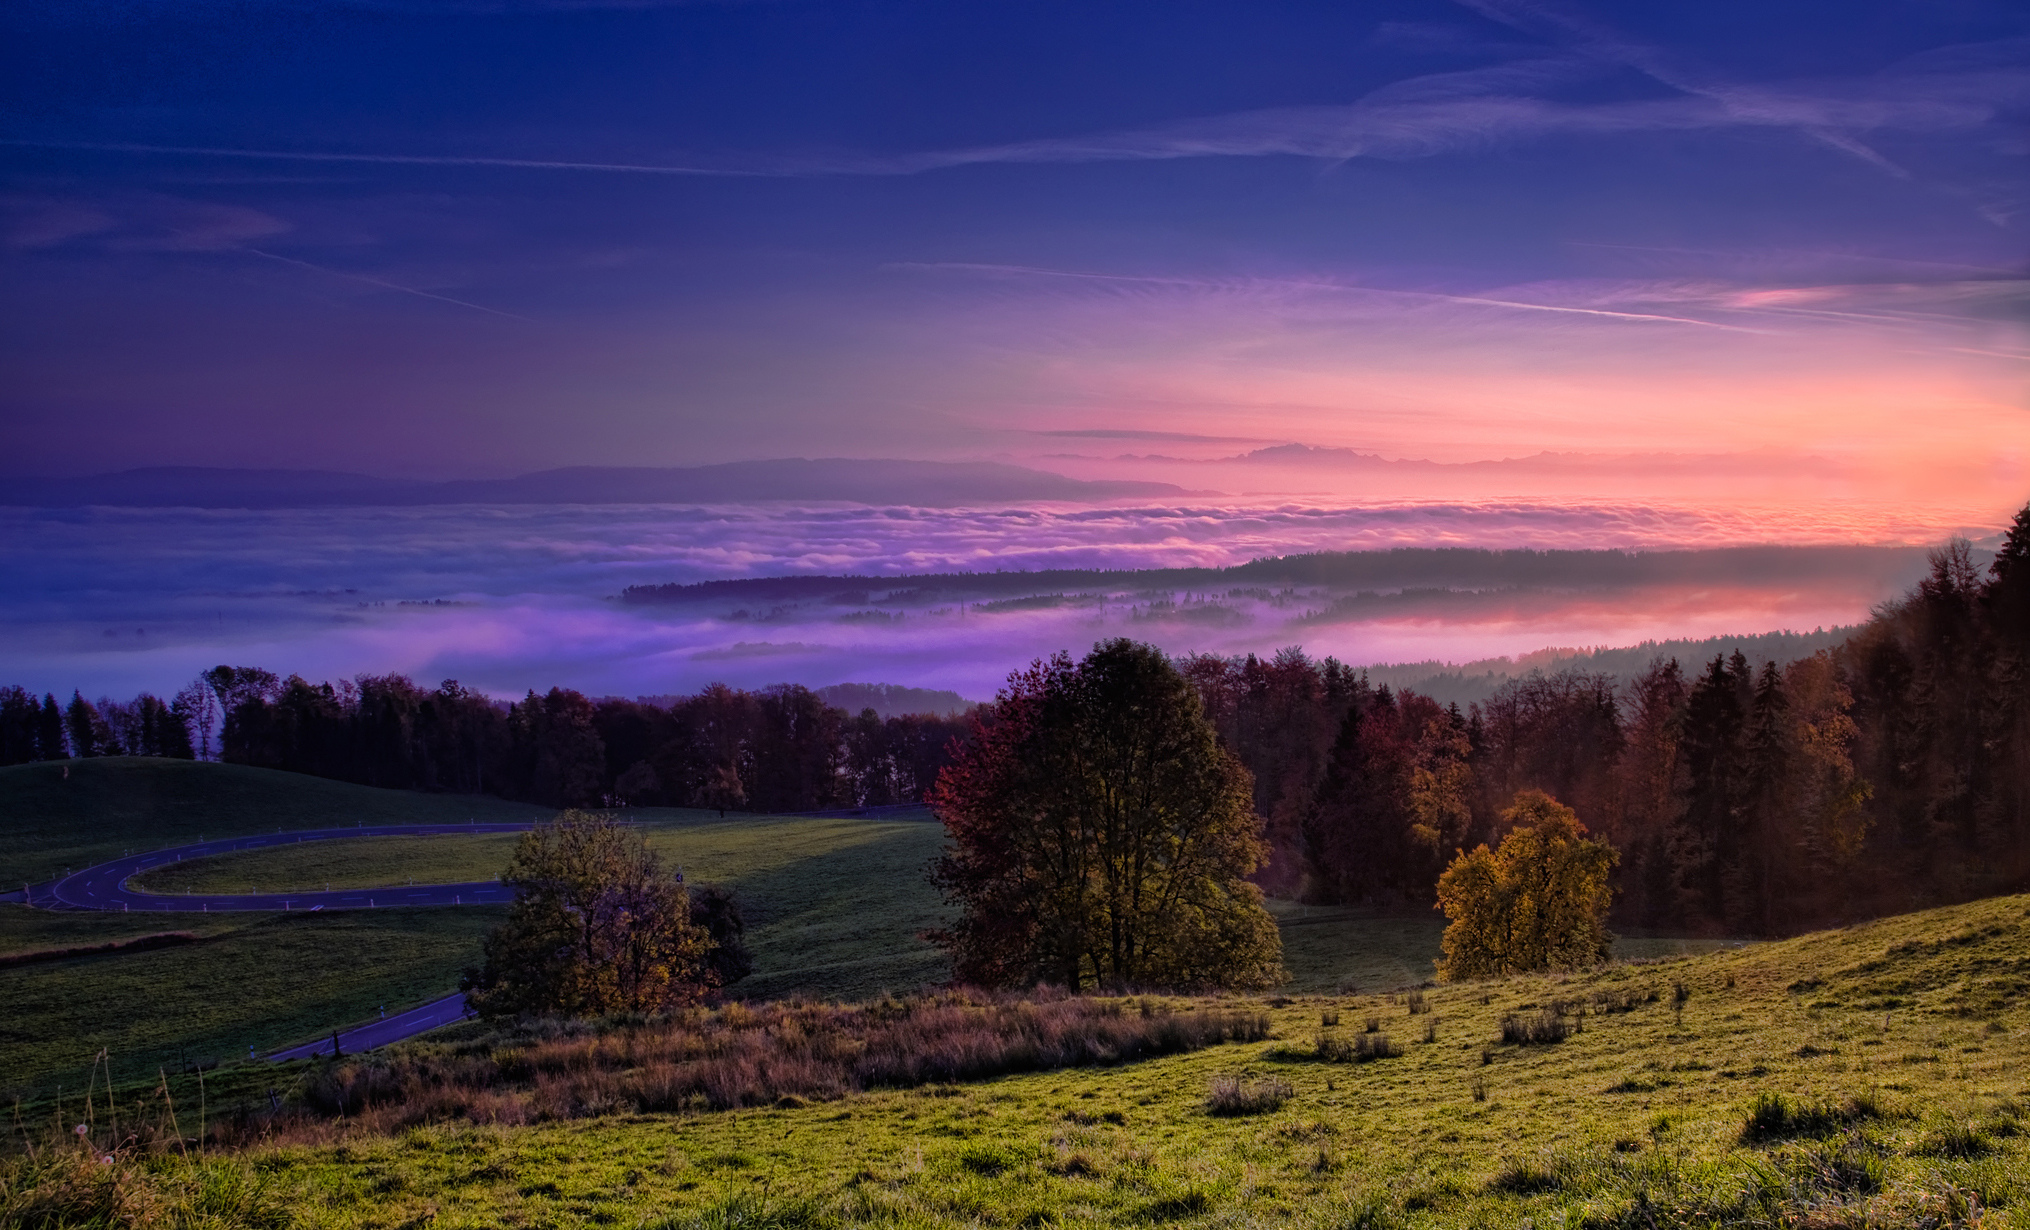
<point x="380" y="1033"/>
<point x="104" y="887"/>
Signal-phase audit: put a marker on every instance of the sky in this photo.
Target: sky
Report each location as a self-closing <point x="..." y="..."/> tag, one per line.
<point x="469" y="237"/>
<point x="1736" y="272"/>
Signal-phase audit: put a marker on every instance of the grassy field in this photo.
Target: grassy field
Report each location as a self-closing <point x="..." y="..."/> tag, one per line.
<point x="833" y="908"/>
<point x="817" y="889"/>
<point x="1900" y="1051"/>
<point x="104" y="807"/>
<point x="252" y="980"/>
<point x="366" y="862"/>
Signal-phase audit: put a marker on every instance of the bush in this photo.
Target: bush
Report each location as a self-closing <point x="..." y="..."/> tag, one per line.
<point x="1233" y="1095"/>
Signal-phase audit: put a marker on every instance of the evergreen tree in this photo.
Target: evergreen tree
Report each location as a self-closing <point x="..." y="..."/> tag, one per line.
<point x="50" y="730"/>
<point x="2007" y="593"/>
<point x="1759" y="855"/>
<point x="1715" y="712"/>
<point x="89" y="734"/>
<point x="19" y="716"/>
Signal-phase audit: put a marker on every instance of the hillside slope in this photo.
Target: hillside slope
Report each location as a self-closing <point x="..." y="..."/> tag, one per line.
<point x="73" y="813"/>
<point x="1897" y="1052"/>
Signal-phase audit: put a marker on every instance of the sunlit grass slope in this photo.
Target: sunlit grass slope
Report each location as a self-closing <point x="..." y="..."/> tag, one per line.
<point x="1901" y="1050"/>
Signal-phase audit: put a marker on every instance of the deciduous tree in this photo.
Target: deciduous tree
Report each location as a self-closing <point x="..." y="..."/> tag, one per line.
<point x="1538" y="901"/>
<point x="1100" y="835"/>
<point x="597" y="926"/>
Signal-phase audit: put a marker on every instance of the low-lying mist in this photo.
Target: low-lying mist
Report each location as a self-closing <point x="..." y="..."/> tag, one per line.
<point x="506" y="598"/>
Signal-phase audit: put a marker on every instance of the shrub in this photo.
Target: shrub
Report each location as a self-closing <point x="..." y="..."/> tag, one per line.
<point x="1417" y="1003"/>
<point x="1233" y="1095"/>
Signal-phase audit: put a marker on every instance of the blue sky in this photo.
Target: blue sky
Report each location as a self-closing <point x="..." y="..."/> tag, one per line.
<point x="475" y="238"/>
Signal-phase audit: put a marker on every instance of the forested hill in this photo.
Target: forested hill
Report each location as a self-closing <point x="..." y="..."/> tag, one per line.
<point x="1475" y="682"/>
<point x="1398" y="568"/>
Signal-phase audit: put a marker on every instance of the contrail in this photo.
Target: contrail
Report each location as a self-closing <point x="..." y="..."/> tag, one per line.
<point x="407" y="290"/>
<point x="425" y="160"/>
<point x="1333" y="287"/>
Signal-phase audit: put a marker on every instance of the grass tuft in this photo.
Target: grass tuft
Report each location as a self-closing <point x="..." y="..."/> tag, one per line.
<point x="1231" y="1096"/>
<point x="1959" y="1141"/>
<point x="1361" y="1048"/>
<point x="1542" y="1028"/>
<point x="1774" y="1117"/>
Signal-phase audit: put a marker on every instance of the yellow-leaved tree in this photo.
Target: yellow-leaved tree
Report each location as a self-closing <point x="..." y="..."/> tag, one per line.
<point x="598" y="925"/>
<point x="1538" y="901"/>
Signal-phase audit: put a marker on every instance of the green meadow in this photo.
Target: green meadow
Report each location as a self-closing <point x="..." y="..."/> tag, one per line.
<point x="835" y="909"/>
<point x="1874" y="1076"/>
<point x="1899" y="1052"/>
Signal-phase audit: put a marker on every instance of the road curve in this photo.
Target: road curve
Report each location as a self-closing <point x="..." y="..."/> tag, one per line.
<point x="379" y="1033"/>
<point x="104" y="887"/>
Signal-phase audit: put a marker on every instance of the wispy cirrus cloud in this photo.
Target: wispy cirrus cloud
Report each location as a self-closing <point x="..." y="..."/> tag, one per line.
<point x="1959" y="89"/>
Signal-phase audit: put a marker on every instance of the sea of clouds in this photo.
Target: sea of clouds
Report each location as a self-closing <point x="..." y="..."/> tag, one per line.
<point x="111" y="601"/>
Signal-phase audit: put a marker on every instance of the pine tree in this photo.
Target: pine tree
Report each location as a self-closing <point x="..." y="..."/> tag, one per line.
<point x="50" y="730"/>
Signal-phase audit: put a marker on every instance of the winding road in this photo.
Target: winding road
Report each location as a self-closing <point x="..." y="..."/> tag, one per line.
<point x="104" y="887"/>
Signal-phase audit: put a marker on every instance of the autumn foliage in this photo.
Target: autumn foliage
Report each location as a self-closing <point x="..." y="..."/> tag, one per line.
<point x="1538" y="901"/>
<point x="597" y="926"/>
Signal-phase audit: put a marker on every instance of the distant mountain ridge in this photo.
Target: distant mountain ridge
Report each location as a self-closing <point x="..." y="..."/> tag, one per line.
<point x="832" y="479"/>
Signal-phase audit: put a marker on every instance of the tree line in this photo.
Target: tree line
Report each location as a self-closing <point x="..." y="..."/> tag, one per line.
<point x="778" y="749"/>
<point x="32" y="729"/>
<point x="1888" y="773"/>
